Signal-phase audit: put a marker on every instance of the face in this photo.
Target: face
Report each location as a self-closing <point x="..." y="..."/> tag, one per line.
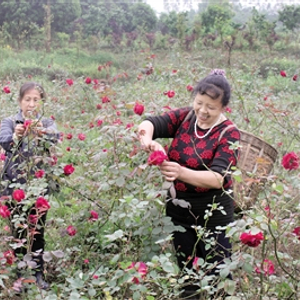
<point x="30" y="103"/>
<point x="207" y="110"/>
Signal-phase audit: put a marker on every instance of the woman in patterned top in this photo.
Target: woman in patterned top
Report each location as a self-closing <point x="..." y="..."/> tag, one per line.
<point x="198" y="165"/>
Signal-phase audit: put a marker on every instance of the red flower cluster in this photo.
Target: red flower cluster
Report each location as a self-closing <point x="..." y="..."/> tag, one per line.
<point x="71" y="230"/>
<point x="290" y="161"/>
<point x="69" y="169"/>
<point x="141" y="268"/>
<point x="156" y="158"/>
<point x="18" y="195"/>
<point x="4" y="211"/>
<point x="252" y="240"/>
<point x="6" y="90"/>
<point x="138" y="109"/>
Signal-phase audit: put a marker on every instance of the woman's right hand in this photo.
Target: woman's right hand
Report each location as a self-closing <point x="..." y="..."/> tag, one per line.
<point x="19" y="130"/>
<point x="153" y="146"/>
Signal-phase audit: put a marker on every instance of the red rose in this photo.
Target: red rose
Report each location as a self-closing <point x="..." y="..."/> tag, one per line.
<point x="156" y="158"/>
<point x="141" y="268"/>
<point x="4" y="211"/>
<point x="282" y="73"/>
<point x="296" y="231"/>
<point x="290" y="161"/>
<point x="105" y="99"/>
<point x="9" y="256"/>
<point x="42" y="204"/>
<point x="6" y="90"/>
<point x="189" y="88"/>
<point x="27" y="123"/>
<point x="138" y="109"/>
<point x="94" y="216"/>
<point x="39" y="173"/>
<point x="71" y="230"/>
<point x="98" y="106"/>
<point x="267" y="266"/>
<point x="53" y="160"/>
<point x="81" y="136"/>
<point x="69" y="81"/>
<point x="295" y="77"/>
<point x="252" y="240"/>
<point x="69" y="136"/>
<point x="18" y="195"/>
<point x="69" y="169"/>
<point x="99" y="123"/>
<point x="88" y="80"/>
<point x="32" y="219"/>
<point x="2" y="156"/>
<point x="170" y="94"/>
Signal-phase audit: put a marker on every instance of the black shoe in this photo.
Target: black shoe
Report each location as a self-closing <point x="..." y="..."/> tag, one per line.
<point x="41" y="283"/>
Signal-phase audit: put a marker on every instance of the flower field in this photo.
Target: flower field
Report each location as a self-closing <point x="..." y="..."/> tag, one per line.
<point x="107" y="236"/>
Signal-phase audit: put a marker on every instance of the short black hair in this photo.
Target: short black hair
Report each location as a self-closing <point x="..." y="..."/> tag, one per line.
<point x="214" y="86"/>
<point x="30" y="86"/>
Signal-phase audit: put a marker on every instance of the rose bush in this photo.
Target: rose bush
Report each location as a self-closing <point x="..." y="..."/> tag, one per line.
<point x="110" y="208"/>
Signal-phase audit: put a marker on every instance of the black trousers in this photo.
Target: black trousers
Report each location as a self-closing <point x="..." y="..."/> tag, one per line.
<point x="188" y="246"/>
<point x="32" y="230"/>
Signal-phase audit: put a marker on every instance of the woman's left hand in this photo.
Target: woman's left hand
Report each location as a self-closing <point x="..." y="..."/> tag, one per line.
<point x="171" y="170"/>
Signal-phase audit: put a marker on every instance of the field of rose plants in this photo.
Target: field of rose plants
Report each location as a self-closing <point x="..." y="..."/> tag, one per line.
<point x="107" y="236"/>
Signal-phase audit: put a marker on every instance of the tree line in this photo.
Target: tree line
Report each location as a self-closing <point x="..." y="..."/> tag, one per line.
<point x="37" y="23"/>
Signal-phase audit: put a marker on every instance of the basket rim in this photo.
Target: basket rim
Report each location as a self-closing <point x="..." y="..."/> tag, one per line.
<point x="268" y="149"/>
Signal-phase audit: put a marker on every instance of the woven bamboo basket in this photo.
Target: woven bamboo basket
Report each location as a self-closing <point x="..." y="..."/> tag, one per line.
<point x="256" y="162"/>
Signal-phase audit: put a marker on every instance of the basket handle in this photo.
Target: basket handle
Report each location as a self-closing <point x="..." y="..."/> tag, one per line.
<point x="224" y="130"/>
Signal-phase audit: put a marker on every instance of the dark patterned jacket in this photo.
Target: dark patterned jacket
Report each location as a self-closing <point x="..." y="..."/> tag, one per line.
<point x="210" y="153"/>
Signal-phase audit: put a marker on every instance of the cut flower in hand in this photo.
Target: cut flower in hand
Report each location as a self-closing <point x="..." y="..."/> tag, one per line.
<point x="156" y="158"/>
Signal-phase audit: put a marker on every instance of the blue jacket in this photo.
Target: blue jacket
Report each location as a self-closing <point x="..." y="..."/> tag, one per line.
<point x="20" y="152"/>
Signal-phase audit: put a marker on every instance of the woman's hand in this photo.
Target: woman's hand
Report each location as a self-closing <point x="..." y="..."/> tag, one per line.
<point x="170" y="170"/>
<point x="152" y="146"/>
<point x="19" y="131"/>
<point x="39" y="128"/>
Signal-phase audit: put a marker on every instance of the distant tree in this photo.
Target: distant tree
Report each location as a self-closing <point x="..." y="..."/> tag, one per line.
<point x="167" y="23"/>
<point x="290" y="17"/>
<point x="262" y="28"/>
<point x="143" y="16"/>
<point x="20" y="20"/>
<point x="217" y="18"/>
<point x="64" y="15"/>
